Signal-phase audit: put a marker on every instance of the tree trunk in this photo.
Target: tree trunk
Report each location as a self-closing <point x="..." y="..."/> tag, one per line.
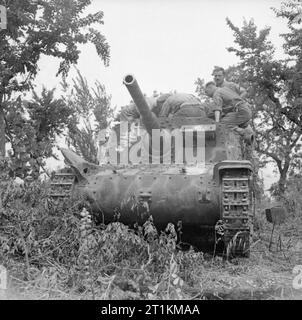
<point x="282" y="183"/>
<point x="2" y="133"/>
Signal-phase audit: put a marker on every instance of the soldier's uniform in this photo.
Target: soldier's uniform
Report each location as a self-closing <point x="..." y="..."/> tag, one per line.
<point x="231" y="85"/>
<point x="234" y="110"/>
<point x="130" y="112"/>
<point x="181" y="104"/>
<point x="166" y="105"/>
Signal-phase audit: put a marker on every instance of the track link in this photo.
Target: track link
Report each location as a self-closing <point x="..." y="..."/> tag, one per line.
<point x="62" y="184"/>
<point x="236" y="212"/>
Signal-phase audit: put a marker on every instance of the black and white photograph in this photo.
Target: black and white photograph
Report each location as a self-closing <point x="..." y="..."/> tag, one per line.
<point x="150" y="153"/>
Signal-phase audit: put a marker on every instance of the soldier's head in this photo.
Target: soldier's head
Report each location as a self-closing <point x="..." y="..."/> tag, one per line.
<point x="218" y="75"/>
<point x="210" y="89"/>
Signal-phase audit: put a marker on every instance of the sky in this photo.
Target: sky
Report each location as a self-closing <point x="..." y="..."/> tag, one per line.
<point x="166" y="44"/>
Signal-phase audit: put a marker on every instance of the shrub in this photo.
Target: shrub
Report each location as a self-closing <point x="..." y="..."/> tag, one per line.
<point x="59" y="246"/>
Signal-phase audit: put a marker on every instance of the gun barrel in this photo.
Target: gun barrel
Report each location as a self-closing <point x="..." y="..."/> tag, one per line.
<point x="148" y="117"/>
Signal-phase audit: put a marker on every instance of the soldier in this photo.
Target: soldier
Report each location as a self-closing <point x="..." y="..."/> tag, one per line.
<point x="163" y="105"/>
<point x="219" y="79"/>
<point x="174" y="103"/>
<point x="130" y="112"/>
<point x="229" y="108"/>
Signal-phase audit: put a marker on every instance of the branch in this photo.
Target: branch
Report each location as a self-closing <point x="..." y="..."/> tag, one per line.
<point x="295" y="141"/>
<point x="273" y="156"/>
<point x="9" y="135"/>
<point x="292" y="117"/>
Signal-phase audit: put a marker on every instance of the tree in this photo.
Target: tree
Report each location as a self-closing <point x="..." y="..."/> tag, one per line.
<point x="37" y="27"/>
<point x="274" y="91"/>
<point x="270" y="93"/>
<point x="292" y="197"/>
<point x="32" y="127"/>
<point x="291" y="11"/>
<point x="91" y="114"/>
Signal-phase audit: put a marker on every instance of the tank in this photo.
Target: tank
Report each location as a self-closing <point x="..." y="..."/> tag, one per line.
<point x="209" y="193"/>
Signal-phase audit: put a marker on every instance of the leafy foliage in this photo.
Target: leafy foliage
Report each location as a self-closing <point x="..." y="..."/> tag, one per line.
<point x="50" y="27"/>
<point x="92" y="113"/>
<point x="270" y="91"/>
<point x="273" y="91"/>
<point x="32" y="230"/>
<point x="291" y="11"/>
<point x="31" y="129"/>
<point x="44" y="234"/>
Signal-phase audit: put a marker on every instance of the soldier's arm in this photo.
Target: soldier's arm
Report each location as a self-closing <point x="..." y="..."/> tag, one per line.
<point x="240" y="90"/>
<point x="218" y="103"/>
<point x="217" y="116"/>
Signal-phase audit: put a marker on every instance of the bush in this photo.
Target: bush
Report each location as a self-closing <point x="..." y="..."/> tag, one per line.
<point x="58" y="246"/>
<point x="35" y="230"/>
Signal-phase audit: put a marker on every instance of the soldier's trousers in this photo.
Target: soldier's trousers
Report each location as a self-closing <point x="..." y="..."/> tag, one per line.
<point x="236" y="118"/>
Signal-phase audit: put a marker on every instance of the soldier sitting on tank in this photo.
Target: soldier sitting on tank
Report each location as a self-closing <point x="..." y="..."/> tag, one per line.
<point x="219" y="79"/>
<point x="179" y="104"/>
<point x="229" y="108"/>
<point x="165" y="105"/>
<point x="130" y="112"/>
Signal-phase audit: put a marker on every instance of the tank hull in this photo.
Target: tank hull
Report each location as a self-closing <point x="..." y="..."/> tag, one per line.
<point x="192" y="199"/>
<point x="195" y="198"/>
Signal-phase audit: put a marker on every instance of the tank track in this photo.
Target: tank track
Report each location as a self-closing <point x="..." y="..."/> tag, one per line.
<point x="237" y="212"/>
<point x="61" y="184"/>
